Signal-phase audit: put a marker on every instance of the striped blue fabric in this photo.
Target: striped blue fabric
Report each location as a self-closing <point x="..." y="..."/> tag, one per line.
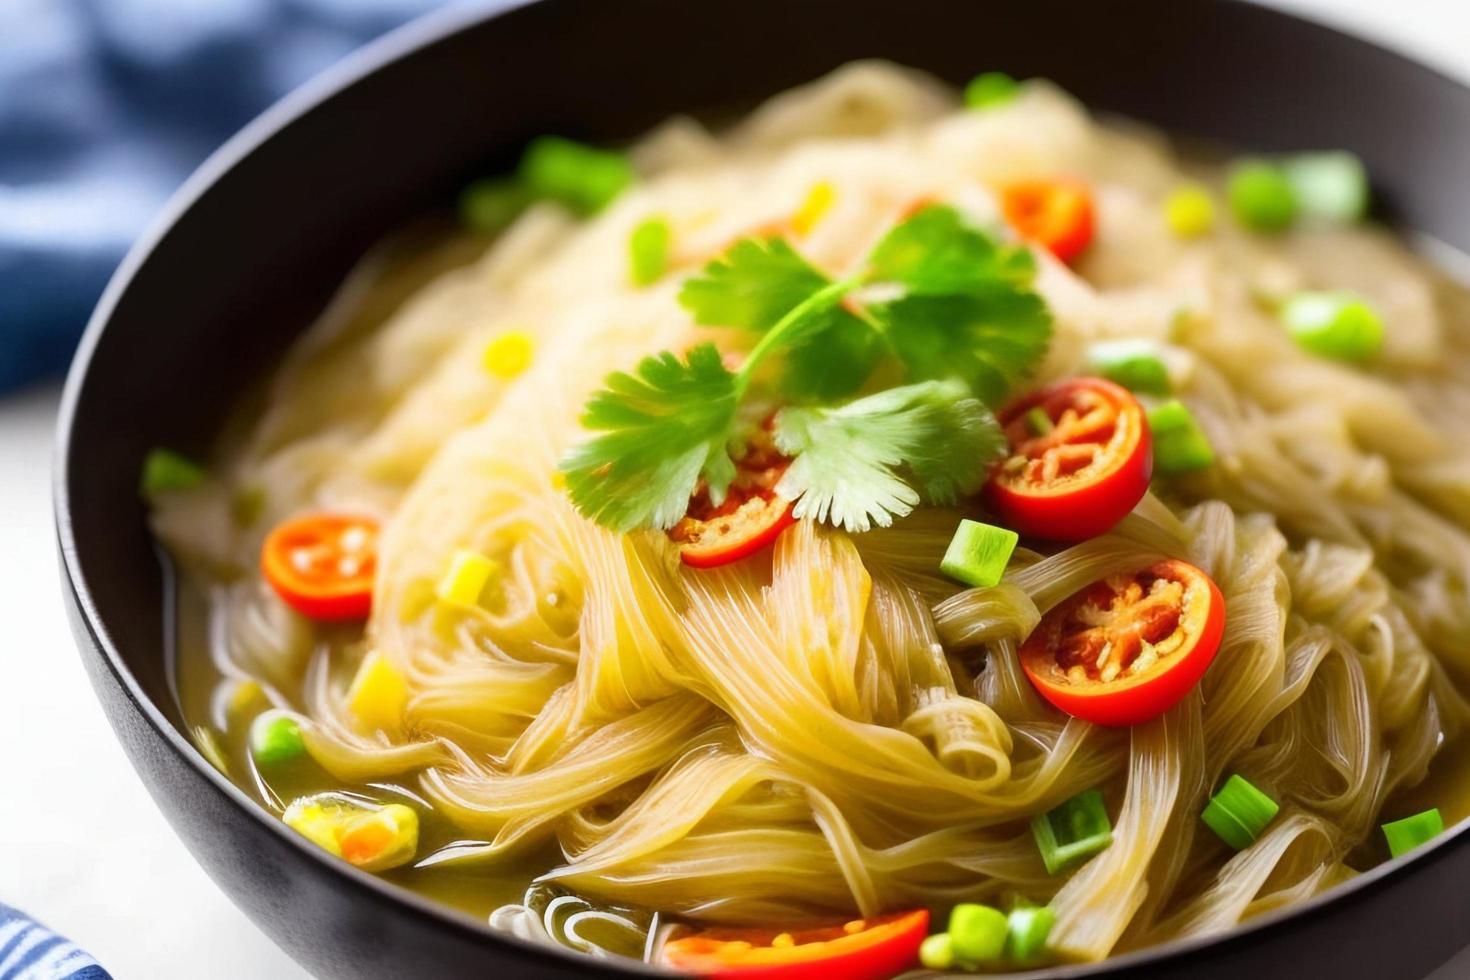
<point x="30" y="951"/>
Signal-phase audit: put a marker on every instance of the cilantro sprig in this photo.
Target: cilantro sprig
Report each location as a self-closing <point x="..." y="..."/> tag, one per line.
<point x="950" y="306"/>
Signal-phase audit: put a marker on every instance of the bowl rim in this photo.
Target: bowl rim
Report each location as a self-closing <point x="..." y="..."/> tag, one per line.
<point x="418" y="34"/>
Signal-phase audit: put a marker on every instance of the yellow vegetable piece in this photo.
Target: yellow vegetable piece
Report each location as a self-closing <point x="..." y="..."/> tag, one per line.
<point x="468" y="573"/>
<point x="510" y="353"/>
<point x="244" y="694"/>
<point x="818" y="202"/>
<point x="311" y="819"/>
<point x="1189" y="211"/>
<point x="378" y="694"/>
<point x="371" y="837"/>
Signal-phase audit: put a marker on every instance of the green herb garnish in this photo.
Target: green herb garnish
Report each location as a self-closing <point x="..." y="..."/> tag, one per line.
<point x="947" y="304"/>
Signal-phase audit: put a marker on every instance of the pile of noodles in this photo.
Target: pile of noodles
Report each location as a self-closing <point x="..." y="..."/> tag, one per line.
<point x="838" y="727"/>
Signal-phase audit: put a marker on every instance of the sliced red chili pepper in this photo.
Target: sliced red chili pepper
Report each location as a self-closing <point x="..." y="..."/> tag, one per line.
<point x="750" y="517"/>
<point x="1080" y="460"/>
<point x="1055" y="212"/>
<point x="1128" y="648"/>
<point x="322" y="565"/>
<point x="865" y="949"/>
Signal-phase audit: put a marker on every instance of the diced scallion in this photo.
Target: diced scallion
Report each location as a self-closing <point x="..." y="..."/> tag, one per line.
<point x="1180" y="446"/>
<point x="977" y="933"/>
<point x="275" y="737"/>
<point x="937" y="951"/>
<point x="1027" y="929"/>
<point x="1406" y="834"/>
<point x="978" y="554"/>
<point x="648" y="251"/>
<point x="993" y="88"/>
<point x="1077" y="829"/>
<point x="581" y="177"/>
<point x="1239" y="812"/>
<point x="1189" y="211"/>
<point x="165" y="470"/>
<point x="468" y="574"/>
<point x="1261" y="196"/>
<point x="1133" y="363"/>
<point x="490" y="205"/>
<point x="1332" y="186"/>
<point x="1336" y="325"/>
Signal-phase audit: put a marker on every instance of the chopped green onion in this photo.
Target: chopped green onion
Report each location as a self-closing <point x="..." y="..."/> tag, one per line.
<point x="1077" y="829"/>
<point x="994" y="88"/>
<point x="164" y="470"/>
<point x="1332" y="186"/>
<point x="937" y="951"/>
<point x="1337" y="325"/>
<point x="1189" y="211"/>
<point x="275" y="738"/>
<point x="1027" y="929"/>
<point x="648" y="251"/>
<point x="977" y="933"/>
<point x="978" y="554"/>
<point x="1038" y="422"/>
<point x="490" y="205"/>
<point x="1179" y="444"/>
<point x="1239" y="812"/>
<point x="1261" y="196"/>
<point x="583" y="178"/>
<point x="1133" y="363"/>
<point x="468" y="573"/>
<point x="1406" y="834"/>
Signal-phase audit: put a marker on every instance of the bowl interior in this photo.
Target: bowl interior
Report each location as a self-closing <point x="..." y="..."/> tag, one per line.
<point x="254" y="247"/>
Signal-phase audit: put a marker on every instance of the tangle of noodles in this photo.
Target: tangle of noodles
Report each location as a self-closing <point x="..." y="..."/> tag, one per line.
<point x="839" y="728"/>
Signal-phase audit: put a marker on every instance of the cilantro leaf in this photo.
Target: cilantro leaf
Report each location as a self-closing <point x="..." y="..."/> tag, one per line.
<point x="936" y="253"/>
<point x="753" y="285"/>
<point x="990" y="339"/>
<point x="662" y="428"/>
<point x="757" y="285"/>
<point x="874" y="459"/>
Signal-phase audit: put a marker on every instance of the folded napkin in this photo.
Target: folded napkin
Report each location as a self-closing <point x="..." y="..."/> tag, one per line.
<point x="30" y="951"/>
<point x="105" y="106"/>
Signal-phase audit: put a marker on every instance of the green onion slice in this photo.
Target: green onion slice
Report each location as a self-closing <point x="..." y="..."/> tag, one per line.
<point x="1332" y="186"/>
<point x="1077" y="829"/>
<point x="937" y="951"/>
<point x="1133" y="363"/>
<point x="489" y="206"/>
<point x="1239" y="812"/>
<point x="275" y="738"/>
<point x="1336" y="325"/>
<point x="1406" y="834"/>
<point x="1180" y="446"/>
<point x="1027" y="929"/>
<point x="648" y="251"/>
<point x="978" y="554"/>
<point x="1261" y="196"/>
<point x="992" y="89"/>
<point x="164" y="470"/>
<point x="583" y="178"/>
<point x="977" y="933"/>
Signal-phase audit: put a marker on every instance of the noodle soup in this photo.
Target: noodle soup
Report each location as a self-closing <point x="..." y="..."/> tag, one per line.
<point x="900" y="531"/>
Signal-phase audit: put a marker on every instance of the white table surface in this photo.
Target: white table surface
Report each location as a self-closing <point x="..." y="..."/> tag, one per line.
<point x="82" y="846"/>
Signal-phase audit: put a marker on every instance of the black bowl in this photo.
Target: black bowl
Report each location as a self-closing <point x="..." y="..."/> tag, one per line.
<point x="253" y="246"/>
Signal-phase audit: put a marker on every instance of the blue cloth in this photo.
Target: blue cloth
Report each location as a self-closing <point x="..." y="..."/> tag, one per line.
<point x="105" y="107"/>
<point x="30" y="951"/>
